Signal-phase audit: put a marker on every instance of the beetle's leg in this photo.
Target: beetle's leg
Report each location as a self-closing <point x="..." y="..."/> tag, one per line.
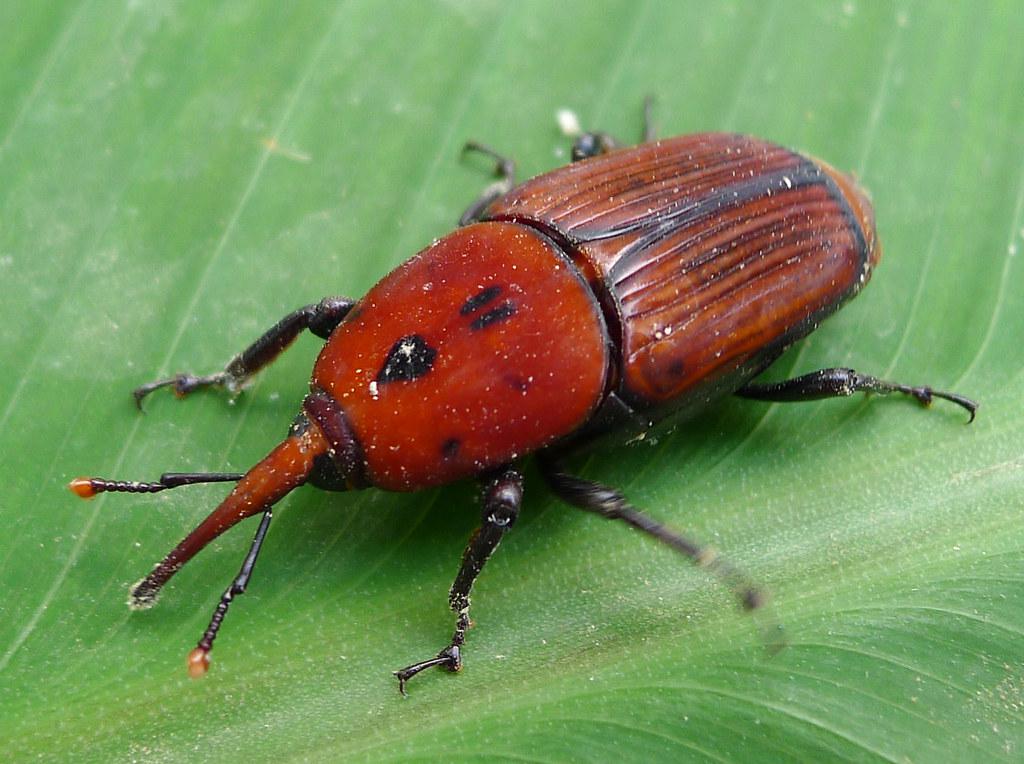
<point x="586" y="143"/>
<point x="592" y="144"/>
<point x="838" y="383"/>
<point x="612" y="505"/>
<point x="502" y="498"/>
<point x="89" y="487"/>
<point x="506" y="171"/>
<point x="320" y="318"/>
<point x="199" y="658"/>
<point x="650" y="130"/>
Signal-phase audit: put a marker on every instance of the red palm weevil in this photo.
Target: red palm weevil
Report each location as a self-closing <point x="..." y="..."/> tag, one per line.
<point x="628" y="289"/>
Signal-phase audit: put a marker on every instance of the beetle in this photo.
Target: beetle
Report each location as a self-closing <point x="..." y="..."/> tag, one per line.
<point x="626" y="290"/>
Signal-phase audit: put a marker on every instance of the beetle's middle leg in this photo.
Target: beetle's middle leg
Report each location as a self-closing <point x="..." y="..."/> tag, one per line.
<point x="506" y="171"/>
<point x="839" y="383"/>
<point x="320" y="318"/>
<point x="502" y="499"/>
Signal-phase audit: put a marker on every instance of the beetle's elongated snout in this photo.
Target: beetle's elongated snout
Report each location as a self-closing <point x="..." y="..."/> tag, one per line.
<point x="282" y="470"/>
<point x="285" y="468"/>
<point x="320" y="449"/>
<point x="307" y="454"/>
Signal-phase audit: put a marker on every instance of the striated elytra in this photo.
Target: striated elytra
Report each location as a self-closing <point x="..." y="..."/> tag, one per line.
<point x="628" y="289"/>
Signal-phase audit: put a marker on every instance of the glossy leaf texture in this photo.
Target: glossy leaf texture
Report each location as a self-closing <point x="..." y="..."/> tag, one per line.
<point x="174" y="177"/>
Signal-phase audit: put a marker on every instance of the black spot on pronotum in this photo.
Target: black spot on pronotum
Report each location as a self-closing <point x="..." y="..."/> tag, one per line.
<point x="409" y="358"/>
<point x="499" y="313"/>
<point x="450" y="448"/>
<point x="480" y="299"/>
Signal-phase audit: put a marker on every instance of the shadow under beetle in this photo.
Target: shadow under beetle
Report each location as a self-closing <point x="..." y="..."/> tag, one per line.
<point x="596" y="300"/>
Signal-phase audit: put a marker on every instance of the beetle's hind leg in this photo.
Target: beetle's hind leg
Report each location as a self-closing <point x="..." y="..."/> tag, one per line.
<point x="505" y="170"/>
<point x="610" y="504"/>
<point x="502" y="499"/>
<point x="320" y="318"/>
<point x="650" y="129"/>
<point x="839" y="383"/>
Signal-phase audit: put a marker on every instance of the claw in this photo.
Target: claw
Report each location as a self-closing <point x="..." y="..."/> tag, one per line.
<point x="450" y="658"/>
<point x="183" y="384"/>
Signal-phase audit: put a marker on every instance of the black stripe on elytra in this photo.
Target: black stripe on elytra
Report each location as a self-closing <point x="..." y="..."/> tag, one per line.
<point x="805" y="173"/>
<point x="480" y="299"/>
<point x="852" y="221"/>
<point x="409" y="358"/>
<point x="500" y="313"/>
<point x="746" y="189"/>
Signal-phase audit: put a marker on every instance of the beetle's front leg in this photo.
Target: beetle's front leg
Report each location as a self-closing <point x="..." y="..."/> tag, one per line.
<point x="320" y="318"/>
<point x="502" y="499"/>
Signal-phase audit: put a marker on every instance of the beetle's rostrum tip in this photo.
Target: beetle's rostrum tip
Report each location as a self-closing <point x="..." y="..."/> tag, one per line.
<point x="140" y="597"/>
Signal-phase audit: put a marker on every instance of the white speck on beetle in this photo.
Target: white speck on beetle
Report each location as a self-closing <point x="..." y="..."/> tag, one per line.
<point x="406" y="348"/>
<point x="373" y="390"/>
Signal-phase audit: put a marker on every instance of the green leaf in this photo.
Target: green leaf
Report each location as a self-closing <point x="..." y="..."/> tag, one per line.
<point x="174" y="177"/>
